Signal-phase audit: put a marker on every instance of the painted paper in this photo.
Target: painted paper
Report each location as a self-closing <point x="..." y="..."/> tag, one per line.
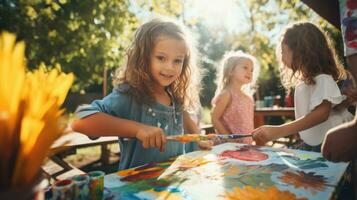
<point x="231" y="171"/>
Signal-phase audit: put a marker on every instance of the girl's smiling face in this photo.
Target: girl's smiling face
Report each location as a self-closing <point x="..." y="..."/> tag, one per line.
<point x="166" y="60"/>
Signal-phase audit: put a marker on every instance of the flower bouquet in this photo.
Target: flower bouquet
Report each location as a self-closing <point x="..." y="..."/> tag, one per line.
<point x="30" y="115"/>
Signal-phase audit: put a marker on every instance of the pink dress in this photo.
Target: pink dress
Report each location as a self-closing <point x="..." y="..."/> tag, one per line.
<point x="238" y="117"/>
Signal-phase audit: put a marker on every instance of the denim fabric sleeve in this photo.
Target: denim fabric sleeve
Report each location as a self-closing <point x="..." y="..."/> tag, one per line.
<point x="115" y="104"/>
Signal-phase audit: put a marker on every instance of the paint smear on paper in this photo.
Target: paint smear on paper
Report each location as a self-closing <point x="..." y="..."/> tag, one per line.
<point x="300" y="179"/>
<point x="246" y="154"/>
<point x="143" y="175"/>
<point x="250" y="193"/>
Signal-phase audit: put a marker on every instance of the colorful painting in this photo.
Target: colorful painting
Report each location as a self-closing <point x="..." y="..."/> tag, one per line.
<point x="231" y="171"/>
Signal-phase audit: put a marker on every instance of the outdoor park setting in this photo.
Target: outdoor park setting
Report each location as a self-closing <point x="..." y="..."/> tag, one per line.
<point x="178" y="99"/>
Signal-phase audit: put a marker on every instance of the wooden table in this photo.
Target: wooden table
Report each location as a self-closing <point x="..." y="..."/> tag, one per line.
<point x="261" y="113"/>
<point x="68" y="144"/>
<point x="231" y="170"/>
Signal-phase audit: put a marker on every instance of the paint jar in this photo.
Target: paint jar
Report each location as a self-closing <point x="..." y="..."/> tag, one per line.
<point x="96" y="185"/>
<point x="268" y="101"/>
<point x="63" y="189"/>
<point x="259" y="104"/>
<point x="81" y="186"/>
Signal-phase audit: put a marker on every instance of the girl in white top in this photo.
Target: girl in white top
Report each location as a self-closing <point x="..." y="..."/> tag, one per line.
<point x="309" y="64"/>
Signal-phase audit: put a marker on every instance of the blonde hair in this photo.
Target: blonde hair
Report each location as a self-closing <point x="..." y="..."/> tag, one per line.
<point x="312" y="54"/>
<point x="137" y="74"/>
<point x="228" y="64"/>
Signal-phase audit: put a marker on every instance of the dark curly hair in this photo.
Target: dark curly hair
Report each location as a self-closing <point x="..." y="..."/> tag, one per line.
<point x="312" y="54"/>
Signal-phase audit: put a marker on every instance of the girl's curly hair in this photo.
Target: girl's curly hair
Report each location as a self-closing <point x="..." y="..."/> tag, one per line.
<point x="137" y="74"/>
<point x="312" y="54"/>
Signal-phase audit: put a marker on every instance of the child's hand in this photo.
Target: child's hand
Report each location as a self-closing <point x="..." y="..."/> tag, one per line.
<point x="205" y="145"/>
<point x="264" y="134"/>
<point x="152" y="137"/>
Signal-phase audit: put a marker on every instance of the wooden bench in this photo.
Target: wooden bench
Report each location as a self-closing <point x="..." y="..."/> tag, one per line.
<point x="67" y="145"/>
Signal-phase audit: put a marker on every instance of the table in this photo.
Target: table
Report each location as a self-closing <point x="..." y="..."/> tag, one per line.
<point x="260" y="113"/>
<point x="68" y="145"/>
<point x="231" y="170"/>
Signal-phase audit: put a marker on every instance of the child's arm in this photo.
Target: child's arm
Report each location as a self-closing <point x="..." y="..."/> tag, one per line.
<point x="101" y="124"/>
<point x="267" y="133"/>
<point x="218" y="110"/>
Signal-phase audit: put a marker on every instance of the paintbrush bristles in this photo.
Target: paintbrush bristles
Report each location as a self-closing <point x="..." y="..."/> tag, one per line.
<point x="29" y="113"/>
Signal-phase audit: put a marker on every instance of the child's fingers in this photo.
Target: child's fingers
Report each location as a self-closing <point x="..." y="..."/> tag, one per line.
<point x="158" y="141"/>
<point x="163" y="142"/>
<point x="152" y="141"/>
<point x="145" y="143"/>
<point x="258" y="138"/>
<point x="255" y="133"/>
<point x="205" y="145"/>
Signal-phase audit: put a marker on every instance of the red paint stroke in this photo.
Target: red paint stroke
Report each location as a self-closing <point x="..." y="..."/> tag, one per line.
<point x="245" y="154"/>
<point x="143" y="175"/>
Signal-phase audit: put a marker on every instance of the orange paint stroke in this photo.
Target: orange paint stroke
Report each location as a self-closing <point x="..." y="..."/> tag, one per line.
<point x="191" y="137"/>
<point x="250" y="193"/>
<point x="143" y="175"/>
<point x="187" y="163"/>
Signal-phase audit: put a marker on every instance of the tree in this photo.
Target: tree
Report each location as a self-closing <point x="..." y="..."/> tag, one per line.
<point x="266" y="19"/>
<point x="84" y="37"/>
<point x="212" y="46"/>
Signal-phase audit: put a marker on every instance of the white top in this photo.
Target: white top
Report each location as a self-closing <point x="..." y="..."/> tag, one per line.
<point x="307" y="97"/>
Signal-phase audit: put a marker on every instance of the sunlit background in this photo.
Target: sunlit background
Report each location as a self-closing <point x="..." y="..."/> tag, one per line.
<point x="89" y="37"/>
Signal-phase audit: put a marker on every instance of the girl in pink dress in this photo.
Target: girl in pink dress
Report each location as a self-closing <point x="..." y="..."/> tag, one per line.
<point x="233" y="105"/>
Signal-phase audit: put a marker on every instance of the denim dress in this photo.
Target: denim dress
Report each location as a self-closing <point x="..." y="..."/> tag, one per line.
<point x="121" y="103"/>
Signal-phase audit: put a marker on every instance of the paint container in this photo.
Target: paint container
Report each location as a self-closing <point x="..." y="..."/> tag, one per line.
<point x="268" y="101"/>
<point x="81" y="186"/>
<point x="96" y="185"/>
<point x="259" y="104"/>
<point x="63" y="190"/>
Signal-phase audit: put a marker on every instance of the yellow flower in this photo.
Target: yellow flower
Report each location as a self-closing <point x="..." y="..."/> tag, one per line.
<point x="29" y="113"/>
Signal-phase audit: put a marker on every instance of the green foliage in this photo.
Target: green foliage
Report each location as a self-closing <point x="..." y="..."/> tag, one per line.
<point x="84" y="37"/>
<point x="266" y="18"/>
<point x="211" y="48"/>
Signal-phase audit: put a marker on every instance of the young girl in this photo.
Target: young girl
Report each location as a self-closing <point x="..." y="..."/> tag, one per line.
<point x="150" y="98"/>
<point x="309" y="64"/>
<point x="233" y="106"/>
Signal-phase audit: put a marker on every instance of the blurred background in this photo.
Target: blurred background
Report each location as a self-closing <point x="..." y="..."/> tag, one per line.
<point x="89" y="37"/>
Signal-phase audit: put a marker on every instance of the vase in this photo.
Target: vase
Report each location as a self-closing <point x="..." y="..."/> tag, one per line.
<point x="33" y="191"/>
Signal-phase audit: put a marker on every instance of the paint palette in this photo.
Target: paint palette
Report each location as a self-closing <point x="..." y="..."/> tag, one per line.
<point x="231" y="171"/>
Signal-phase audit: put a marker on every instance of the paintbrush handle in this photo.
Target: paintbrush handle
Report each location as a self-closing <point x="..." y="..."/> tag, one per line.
<point x="234" y="136"/>
<point x="196" y="137"/>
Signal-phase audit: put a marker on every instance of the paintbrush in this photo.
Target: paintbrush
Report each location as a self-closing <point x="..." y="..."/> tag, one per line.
<point x="197" y="137"/>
